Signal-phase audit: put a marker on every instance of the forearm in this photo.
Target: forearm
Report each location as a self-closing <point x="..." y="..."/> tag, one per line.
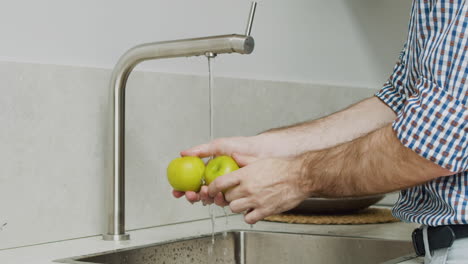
<point x="375" y="163"/>
<point x="343" y="126"/>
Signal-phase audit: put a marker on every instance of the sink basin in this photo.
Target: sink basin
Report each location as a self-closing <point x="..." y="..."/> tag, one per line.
<point x="247" y="247"/>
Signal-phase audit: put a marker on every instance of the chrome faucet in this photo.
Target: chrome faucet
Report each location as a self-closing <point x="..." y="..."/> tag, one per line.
<point x="208" y="46"/>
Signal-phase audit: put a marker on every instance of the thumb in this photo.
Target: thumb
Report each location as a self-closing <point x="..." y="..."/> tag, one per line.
<point x="243" y="160"/>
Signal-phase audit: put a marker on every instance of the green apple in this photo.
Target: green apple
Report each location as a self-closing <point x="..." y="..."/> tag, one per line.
<point x="219" y="166"/>
<point x="186" y="173"/>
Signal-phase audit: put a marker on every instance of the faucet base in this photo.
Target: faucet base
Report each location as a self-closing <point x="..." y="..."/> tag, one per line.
<point x="122" y="237"/>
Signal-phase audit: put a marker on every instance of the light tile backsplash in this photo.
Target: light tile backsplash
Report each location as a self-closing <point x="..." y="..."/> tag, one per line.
<point x="55" y="124"/>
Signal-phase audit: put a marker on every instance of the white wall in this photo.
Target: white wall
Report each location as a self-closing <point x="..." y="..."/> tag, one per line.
<point x="346" y="42"/>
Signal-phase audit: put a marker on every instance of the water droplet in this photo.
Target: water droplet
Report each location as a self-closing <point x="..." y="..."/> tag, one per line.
<point x="210" y="88"/>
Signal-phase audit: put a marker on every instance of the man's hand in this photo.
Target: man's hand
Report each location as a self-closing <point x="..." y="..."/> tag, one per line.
<point x="252" y="147"/>
<point x="261" y="188"/>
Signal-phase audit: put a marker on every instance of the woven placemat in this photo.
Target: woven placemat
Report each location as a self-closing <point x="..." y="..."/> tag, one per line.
<point x="366" y="216"/>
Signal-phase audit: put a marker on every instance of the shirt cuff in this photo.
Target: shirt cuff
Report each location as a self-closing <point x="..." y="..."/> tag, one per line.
<point x="391" y="97"/>
<point x="434" y="124"/>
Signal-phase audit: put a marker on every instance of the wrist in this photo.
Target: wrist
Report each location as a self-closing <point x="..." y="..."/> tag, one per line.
<point x="300" y="167"/>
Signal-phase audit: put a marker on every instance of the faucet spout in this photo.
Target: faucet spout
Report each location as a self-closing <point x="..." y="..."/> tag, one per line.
<point x="151" y="51"/>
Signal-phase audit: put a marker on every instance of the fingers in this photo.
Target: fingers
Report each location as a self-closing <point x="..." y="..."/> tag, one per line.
<point x="215" y="147"/>
<point x="254" y="216"/>
<point x="220" y="201"/>
<point x="177" y="194"/>
<point x="206" y="199"/>
<point x="220" y="146"/>
<point x="223" y="183"/>
<point x="243" y="160"/>
<point x="192" y="197"/>
<point x="240" y="205"/>
<point x="201" y="151"/>
<point x="236" y="193"/>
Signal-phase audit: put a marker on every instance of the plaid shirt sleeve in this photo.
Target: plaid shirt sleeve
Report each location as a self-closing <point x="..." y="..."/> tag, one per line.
<point x="392" y="93"/>
<point x="433" y="123"/>
<point x="428" y="90"/>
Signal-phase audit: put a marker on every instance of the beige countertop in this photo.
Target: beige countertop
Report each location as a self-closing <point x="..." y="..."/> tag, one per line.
<point x="47" y="253"/>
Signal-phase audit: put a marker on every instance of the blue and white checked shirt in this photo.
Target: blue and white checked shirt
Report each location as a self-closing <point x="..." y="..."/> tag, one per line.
<point x="429" y="92"/>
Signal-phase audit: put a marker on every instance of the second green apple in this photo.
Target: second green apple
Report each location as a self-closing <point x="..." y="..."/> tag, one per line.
<point x="219" y="166"/>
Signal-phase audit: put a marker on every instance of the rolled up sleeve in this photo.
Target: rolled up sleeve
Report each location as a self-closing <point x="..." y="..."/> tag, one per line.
<point x="434" y="124"/>
<point x="391" y="97"/>
<point x="392" y="92"/>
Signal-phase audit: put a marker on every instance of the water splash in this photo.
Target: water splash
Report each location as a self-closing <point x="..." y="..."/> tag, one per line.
<point x="210" y="250"/>
<point x="212" y="218"/>
<point x="226" y="223"/>
<point x="225" y="216"/>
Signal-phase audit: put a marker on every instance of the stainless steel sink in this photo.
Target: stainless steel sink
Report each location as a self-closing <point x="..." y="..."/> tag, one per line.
<point x="246" y="247"/>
